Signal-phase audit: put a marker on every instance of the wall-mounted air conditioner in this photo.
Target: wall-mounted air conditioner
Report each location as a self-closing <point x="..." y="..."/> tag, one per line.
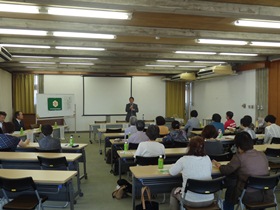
<point x="215" y="71"/>
<point x="4" y="55"/>
<point x="184" y="77"/>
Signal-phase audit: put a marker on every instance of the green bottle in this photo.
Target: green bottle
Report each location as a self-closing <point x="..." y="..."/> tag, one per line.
<point x="125" y="146"/>
<point x="71" y="141"/>
<point x="21" y="131"/>
<point x="160" y="162"/>
<point x="55" y="124"/>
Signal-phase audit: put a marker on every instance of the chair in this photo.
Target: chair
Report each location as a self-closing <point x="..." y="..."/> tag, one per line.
<point x="258" y="141"/>
<point x="25" y="190"/>
<point x="6" y="150"/>
<point x="50" y="150"/>
<point x="205" y="187"/>
<point x="145" y="161"/>
<point x="59" y="163"/>
<point x="213" y="147"/>
<point x="273" y="156"/>
<point x="113" y="130"/>
<point x="275" y="140"/>
<point x="132" y="146"/>
<point x="98" y="121"/>
<point x="177" y="144"/>
<point x="262" y="183"/>
<point x="197" y="129"/>
<point x="221" y="157"/>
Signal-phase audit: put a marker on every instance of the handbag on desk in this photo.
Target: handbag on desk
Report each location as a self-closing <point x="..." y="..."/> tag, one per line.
<point x="147" y="204"/>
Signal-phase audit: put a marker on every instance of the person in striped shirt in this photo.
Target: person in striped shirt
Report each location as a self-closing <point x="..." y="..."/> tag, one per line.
<point x="271" y="130"/>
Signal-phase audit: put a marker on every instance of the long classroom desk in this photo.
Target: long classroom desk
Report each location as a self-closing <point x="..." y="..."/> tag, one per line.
<point x="43" y="177"/>
<point x="169" y="152"/>
<point x="66" y="148"/>
<point x="263" y="147"/>
<point x="159" y="180"/>
<point x="17" y="159"/>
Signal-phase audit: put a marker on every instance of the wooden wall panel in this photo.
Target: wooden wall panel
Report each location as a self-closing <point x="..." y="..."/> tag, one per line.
<point x="274" y="90"/>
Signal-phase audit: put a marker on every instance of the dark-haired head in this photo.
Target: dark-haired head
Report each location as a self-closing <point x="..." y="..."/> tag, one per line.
<point x="194" y="113"/>
<point x="244" y="141"/>
<point x="209" y="131"/>
<point x="47" y="129"/>
<point x="196" y="146"/>
<point x="18" y="115"/>
<point x="229" y="114"/>
<point x="160" y="120"/>
<point x="152" y="132"/>
<point x="246" y="121"/>
<point x="140" y="125"/>
<point x="270" y="119"/>
<point x="8" y="127"/>
<point x="3" y="113"/>
<point x="175" y="124"/>
<point x="216" y="117"/>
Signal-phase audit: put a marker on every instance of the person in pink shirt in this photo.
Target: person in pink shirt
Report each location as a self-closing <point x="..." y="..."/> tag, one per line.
<point x="230" y="122"/>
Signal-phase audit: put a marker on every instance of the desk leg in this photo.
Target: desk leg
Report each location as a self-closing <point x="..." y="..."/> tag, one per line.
<point x="79" y="191"/>
<point x="85" y="162"/>
<point x="71" y="194"/>
<point x="112" y="158"/>
<point x="133" y="191"/>
<point x="120" y="168"/>
<point x="90" y="133"/>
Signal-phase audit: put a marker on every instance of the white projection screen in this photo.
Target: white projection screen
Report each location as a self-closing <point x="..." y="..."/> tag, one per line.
<point x="106" y="95"/>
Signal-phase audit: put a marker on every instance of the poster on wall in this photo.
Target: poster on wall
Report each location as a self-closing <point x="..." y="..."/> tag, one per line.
<point x="55" y="105"/>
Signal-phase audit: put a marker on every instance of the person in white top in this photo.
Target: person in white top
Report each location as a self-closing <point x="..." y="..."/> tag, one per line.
<point x="150" y="148"/>
<point x="132" y="126"/>
<point x="271" y="130"/>
<point x="194" y="165"/>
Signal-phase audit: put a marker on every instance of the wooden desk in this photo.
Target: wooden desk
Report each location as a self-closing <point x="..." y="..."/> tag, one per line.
<point x="43" y="177"/>
<point x="159" y="180"/>
<point x="66" y="148"/>
<point x="199" y="132"/>
<point x="23" y="159"/>
<point x="262" y="147"/>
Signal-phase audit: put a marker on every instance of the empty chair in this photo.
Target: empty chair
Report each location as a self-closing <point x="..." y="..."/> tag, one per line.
<point x="28" y="198"/>
<point x="273" y="156"/>
<point x="258" y="141"/>
<point x="177" y="144"/>
<point x="221" y="157"/>
<point x="59" y="163"/>
<point x="144" y="161"/>
<point x="113" y="130"/>
<point x="263" y="184"/>
<point x="205" y="187"/>
<point x="132" y="146"/>
<point x="213" y="147"/>
<point x="271" y="152"/>
<point x="275" y="140"/>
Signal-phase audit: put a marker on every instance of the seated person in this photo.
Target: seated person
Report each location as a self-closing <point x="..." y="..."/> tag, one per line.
<point x="230" y="123"/>
<point x="246" y="162"/>
<point x="216" y="118"/>
<point x="194" y="165"/>
<point x="2" y="119"/>
<point x="48" y="142"/>
<point x="271" y="130"/>
<point x="8" y="141"/>
<point x="193" y="122"/>
<point x="140" y="135"/>
<point x="150" y="148"/>
<point x="176" y="134"/>
<point x="18" y="121"/>
<point x="212" y="145"/>
<point x="132" y="128"/>
<point x="245" y="123"/>
<point x="163" y="129"/>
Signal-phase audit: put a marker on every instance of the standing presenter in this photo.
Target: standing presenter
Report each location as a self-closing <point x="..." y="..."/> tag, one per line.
<point x="131" y="109"/>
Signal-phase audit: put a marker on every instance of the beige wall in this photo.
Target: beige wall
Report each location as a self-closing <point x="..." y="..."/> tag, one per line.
<point x="6" y="93"/>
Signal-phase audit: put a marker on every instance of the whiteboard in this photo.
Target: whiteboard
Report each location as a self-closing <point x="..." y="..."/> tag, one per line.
<point x="55" y="105"/>
<point x="106" y="95"/>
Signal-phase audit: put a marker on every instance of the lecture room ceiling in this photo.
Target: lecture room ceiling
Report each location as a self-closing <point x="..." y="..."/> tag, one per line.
<point x="146" y="43"/>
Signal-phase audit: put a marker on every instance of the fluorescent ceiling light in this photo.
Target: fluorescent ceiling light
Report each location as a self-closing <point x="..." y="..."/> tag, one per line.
<point x="26" y="46"/>
<point x="78" y="58"/>
<point x="30" y="56"/>
<point x="83" y="35"/>
<point x="173" y="61"/>
<point x="89" y="13"/>
<point x="154" y="65"/>
<point x="266" y="44"/>
<point x="191" y="66"/>
<point x="37" y="62"/>
<point x="23" y="32"/>
<point x="65" y="63"/>
<point x="38" y="67"/>
<point x="19" y="8"/>
<point x="239" y="54"/>
<point x="209" y="62"/>
<point x="194" y="52"/>
<point x="220" y="41"/>
<point x="258" y="23"/>
<point x="79" y="48"/>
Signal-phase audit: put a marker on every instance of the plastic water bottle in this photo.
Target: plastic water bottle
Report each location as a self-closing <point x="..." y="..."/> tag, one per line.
<point x="220" y="135"/>
<point x="125" y="146"/>
<point x="160" y="162"/>
<point x="71" y="141"/>
<point x="55" y="124"/>
<point x="21" y="131"/>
